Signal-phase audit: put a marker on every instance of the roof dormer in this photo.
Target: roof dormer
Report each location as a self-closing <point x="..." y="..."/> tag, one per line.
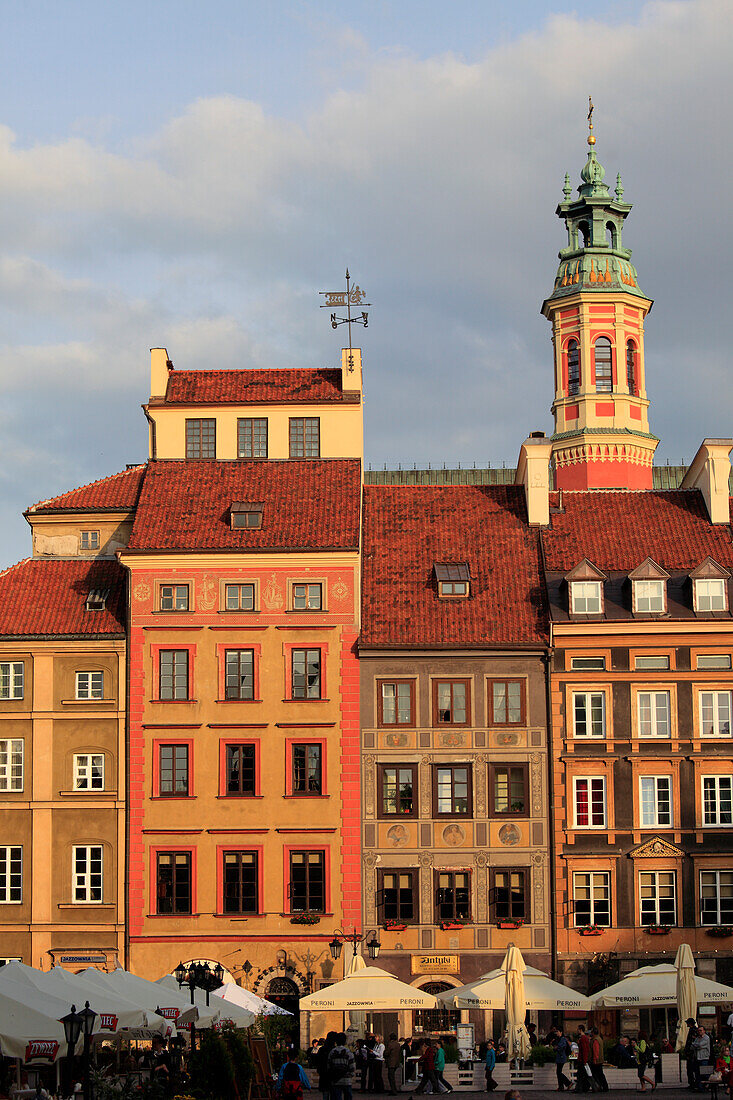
<point x="454" y="579"/>
<point x="710" y="586"/>
<point x="649" y="588"/>
<point x="585" y="589"/>
<point x="244" y="514"/>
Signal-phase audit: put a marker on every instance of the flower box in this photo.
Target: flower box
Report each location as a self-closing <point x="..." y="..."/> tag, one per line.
<point x="305" y="918"/>
<point x="658" y="929"/>
<point x="720" y="930"/>
<point x="394" y="926"/>
<point x="509" y="923"/>
<point x="590" y="930"/>
<point x="450" y="925"/>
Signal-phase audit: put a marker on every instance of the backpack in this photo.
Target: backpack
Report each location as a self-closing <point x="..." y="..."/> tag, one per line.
<point x="339" y="1064"/>
<point x="291" y="1087"/>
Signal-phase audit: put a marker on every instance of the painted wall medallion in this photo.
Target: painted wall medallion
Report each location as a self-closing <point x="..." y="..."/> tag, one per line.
<point x="509" y="835"/>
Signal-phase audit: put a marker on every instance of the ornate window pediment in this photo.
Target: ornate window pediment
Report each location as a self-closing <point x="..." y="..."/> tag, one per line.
<point x="656" y="847"/>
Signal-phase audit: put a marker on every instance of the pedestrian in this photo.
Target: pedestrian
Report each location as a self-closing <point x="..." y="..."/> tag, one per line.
<point x="701" y="1050"/>
<point x="341" y="1069"/>
<point x="392" y="1059"/>
<point x="644" y="1060"/>
<point x="532" y="1032"/>
<point x="292" y="1078"/>
<point x="596" y="1060"/>
<point x="428" y="1069"/>
<point x="490" y="1065"/>
<point x="322" y="1062"/>
<point x="376" y="1065"/>
<point x="440" y="1066"/>
<point x="689" y="1054"/>
<point x="562" y="1054"/>
<point x="583" y="1075"/>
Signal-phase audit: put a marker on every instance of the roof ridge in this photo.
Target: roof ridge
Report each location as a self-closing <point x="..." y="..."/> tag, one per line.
<point x="88" y="485"/>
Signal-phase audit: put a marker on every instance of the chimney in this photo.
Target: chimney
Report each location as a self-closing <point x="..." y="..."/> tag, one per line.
<point x="351" y="370"/>
<point x="709" y="472"/>
<point x="533" y="472"/>
<point x="160" y="368"/>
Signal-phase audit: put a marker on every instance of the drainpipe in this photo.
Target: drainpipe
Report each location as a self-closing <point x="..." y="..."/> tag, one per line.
<point x="547" y="659"/>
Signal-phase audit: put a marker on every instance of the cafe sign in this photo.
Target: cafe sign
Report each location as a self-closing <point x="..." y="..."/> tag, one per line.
<point x="434" y="964"/>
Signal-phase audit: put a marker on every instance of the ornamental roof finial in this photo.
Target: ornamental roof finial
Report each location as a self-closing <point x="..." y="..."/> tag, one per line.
<point x="619" y="187"/>
<point x="567" y="189"/>
<point x="591" y="135"/>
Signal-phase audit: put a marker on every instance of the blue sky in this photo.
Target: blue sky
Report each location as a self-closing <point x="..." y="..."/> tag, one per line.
<point x="192" y="174"/>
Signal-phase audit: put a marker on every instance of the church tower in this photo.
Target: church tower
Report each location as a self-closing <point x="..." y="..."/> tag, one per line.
<point x="597" y="311"/>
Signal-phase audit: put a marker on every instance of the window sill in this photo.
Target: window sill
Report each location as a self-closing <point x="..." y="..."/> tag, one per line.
<point x="510" y="815"/>
<point x="86" y="702"/>
<point x="310" y="796"/>
<point x="319" y="700"/>
<point x="240" y="796"/>
<point x="397" y="817"/>
<point x="398" y="727"/>
<point x="172" y="797"/>
<point x="237" y="916"/>
<point x="179" y="701"/>
<point x="307" y="611"/>
<point x="109" y="905"/>
<point x="99" y="791"/>
<point x="172" y="916"/>
<point x="297" y="913"/>
<point x="239" y="700"/>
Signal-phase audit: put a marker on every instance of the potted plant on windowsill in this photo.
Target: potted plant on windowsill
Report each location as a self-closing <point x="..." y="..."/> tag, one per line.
<point x="658" y="929"/>
<point x="720" y="930"/>
<point x="305" y="918"/>
<point x="450" y="925"/>
<point x="394" y="926"/>
<point x="590" y="930"/>
<point x="510" y="922"/>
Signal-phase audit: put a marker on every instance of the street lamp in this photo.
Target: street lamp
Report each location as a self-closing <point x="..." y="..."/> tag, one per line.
<point x="72" y="1022"/>
<point x="355" y="939"/>
<point x="199" y="976"/>
<point x="88" y="1017"/>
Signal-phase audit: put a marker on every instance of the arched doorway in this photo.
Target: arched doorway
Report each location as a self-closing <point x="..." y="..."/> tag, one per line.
<point x="436" y="1020"/>
<point x="283" y="992"/>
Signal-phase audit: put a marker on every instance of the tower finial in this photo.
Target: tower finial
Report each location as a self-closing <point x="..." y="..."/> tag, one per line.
<point x="591" y="135"/>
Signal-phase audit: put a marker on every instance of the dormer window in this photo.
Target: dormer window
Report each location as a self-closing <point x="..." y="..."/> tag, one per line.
<point x="453" y="579"/>
<point x="246" y="515"/>
<point x="585" y="588"/>
<point x="710" y="586"/>
<point x="649" y="585"/>
<point x="97" y="599"/>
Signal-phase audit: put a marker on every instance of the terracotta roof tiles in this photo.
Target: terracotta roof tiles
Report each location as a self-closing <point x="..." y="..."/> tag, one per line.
<point x="47" y="597"/>
<point x="117" y="492"/>
<point x="252" y="386"/>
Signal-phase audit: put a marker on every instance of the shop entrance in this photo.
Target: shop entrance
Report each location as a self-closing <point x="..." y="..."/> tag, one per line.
<point x="435" y="1020"/>
<point x="284" y="993"/>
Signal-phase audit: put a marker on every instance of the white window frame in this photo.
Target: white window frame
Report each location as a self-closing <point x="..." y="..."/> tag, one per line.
<point x="84" y="777"/>
<point x="12" y="679"/>
<point x="653" y="821"/>
<point x="705" y="595"/>
<point x="713" y="783"/>
<point x="591" y="876"/>
<point x="659" y="662"/>
<point x="11" y="747"/>
<point x="588" y="663"/>
<point x="84" y="880"/>
<point x="719" y="918"/>
<point x="720" y="662"/>
<point x="89" y="540"/>
<point x="653" y="715"/>
<point x="715" y="703"/>
<point x="583" y="592"/>
<point x="649" y="591"/>
<point x="654" y="877"/>
<point x="587" y="696"/>
<point x="11" y="873"/>
<point x="301" y="596"/>
<point x="590" y="780"/>
<point x="90" y="685"/>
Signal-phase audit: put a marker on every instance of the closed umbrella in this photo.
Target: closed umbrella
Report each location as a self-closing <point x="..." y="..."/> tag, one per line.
<point x="686" y="993"/>
<point x="518" y="1044"/>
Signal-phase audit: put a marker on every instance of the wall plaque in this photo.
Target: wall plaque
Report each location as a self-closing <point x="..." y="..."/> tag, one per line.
<point x="434" y="964"/>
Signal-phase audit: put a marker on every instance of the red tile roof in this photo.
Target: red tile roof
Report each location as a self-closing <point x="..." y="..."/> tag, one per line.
<point x="119" y="492"/>
<point x="409" y="528"/>
<point x="617" y="530"/>
<point x="253" y="387"/>
<point x="47" y="597"/>
<point x="307" y="504"/>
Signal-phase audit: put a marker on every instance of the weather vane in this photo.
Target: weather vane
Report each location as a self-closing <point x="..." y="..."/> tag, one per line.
<point x="591" y="135"/>
<point x="352" y="296"/>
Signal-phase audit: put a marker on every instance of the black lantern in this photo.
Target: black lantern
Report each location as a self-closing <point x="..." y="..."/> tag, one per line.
<point x="335" y="947"/>
<point x="354" y="938"/>
<point x="180" y="974"/>
<point x="72" y="1022"/>
<point x="88" y="1018"/>
<point x="218" y="973"/>
<point x="373" y="946"/>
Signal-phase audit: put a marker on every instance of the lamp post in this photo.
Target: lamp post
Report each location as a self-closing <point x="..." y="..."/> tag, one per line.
<point x="72" y="1022"/>
<point x="355" y="939"/>
<point x="88" y="1017"/>
<point x="199" y="976"/>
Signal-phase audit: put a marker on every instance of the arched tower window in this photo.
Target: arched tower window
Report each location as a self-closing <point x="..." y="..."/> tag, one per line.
<point x="631" y="365"/>
<point x="584" y="230"/>
<point x="604" y="376"/>
<point x="573" y="368"/>
<point x="611" y="235"/>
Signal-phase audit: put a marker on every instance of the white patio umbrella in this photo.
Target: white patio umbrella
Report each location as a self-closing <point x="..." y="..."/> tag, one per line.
<point x="369" y="990"/>
<point x="357" y="1021"/>
<point x="657" y="985"/>
<point x="29" y="1029"/>
<point x="518" y="1044"/>
<point x="174" y="1006"/>
<point x="223" y="1010"/>
<point x="235" y="995"/>
<point x="540" y="992"/>
<point x="686" y="993"/>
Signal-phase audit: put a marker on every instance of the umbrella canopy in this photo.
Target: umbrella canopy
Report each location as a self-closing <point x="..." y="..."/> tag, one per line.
<point x="657" y="985"/>
<point x="234" y="994"/>
<point x="540" y="992"/>
<point x="369" y="989"/>
<point x="173" y="1006"/>
<point x="222" y="1010"/>
<point x="518" y="1044"/>
<point x="686" y="993"/>
<point x="29" y="1028"/>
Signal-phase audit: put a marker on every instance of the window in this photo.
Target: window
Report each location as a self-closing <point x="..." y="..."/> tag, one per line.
<point x="715" y="713"/>
<point x="90" y="685"/>
<point x="586" y="597"/>
<point x="452" y="790"/>
<point x="660" y="661"/>
<point x="653" y="714"/>
<point x="88" y="876"/>
<point x="587" y="664"/>
<point x="11" y="874"/>
<point x="174" y="597"/>
<point x="239" y="674"/>
<point x="396" y="702"/>
<point x="307" y="882"/>
<point x="241" y="770"/>
<point x="89" y="771"/>
<point x="631" y="366"/>
<point x="716" y="897"/>
<point x="173" y="882"/>
<point x="305" y="437"/>
<point x="200" y="439"/>
<point x="592" y="898"/>
<point x="399" y="896"/>
<point x="604" y="376"/>
<point x="655" y="800"/>
<point x="509" y="897"/>
<point x="589" y="714"/>
<point x="453" y="578"/>
<point x="398" y="786"/>
<point x="590" y="802"/>
<point x="658" y="896"/>
<point x="451" y="700"/>
<point x="649" y="596"/>
<point x="453" y="895"/>
<point x="252" y="437"/>
<point x="710" y="595"/>
<point x="306" y="765"/>
<point x="173" y="762"/>
<point x="508" y="789"/>
<point x="246" y="515"/>
<point x="507" y="702"/>
<point x="307" y="597"/>
<point x="11" y="679"/>
<point x="573" y="368"/>
<point x="97" y="599"/>
<point x="717" y="800"/>
<point x="241" y="882"/>
<point x="11" y="764"/>
<point x="173" y="674"/>
<point x="306" y="674"/>
<point x="713" y="660"/>
<point x="239" y="597"/>
<point x="89" y="540"/>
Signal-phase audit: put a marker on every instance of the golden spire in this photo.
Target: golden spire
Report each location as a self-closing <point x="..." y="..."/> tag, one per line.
<point x="591" y="135"/>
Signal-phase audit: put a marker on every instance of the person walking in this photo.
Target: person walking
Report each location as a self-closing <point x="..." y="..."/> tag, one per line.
<point x="644" y="1059"/>
<point x="596" y="1060"/>
<point x="341" y="1069"/>
<point x="322" y="1062"/>
<point x="428" y="1069"/>
<point x="392" y="1059"/>
<point x="562" y="1054"/>
<point x="292" y="1078"/>
<point x="690" y="1056"/>
<point x="440" y="1066"/>
<point x="583" y="1077"/>
<point x="490" y="1065"/>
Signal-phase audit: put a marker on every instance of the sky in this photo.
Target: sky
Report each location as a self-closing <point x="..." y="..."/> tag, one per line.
<point x="191" y="174"/>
